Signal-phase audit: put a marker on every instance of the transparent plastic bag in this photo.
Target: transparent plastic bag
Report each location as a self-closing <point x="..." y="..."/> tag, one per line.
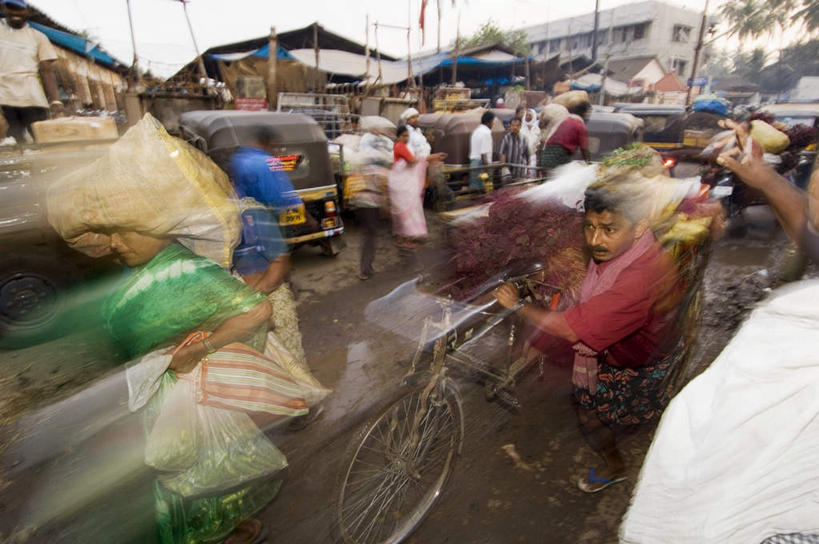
<point x="173" y="438"/>
<point x="231" y="450"/>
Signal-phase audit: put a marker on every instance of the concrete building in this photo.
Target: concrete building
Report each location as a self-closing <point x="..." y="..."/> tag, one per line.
<point x="642" y="29"/>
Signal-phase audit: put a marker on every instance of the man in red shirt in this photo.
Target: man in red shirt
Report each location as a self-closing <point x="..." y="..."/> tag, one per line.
<point x="623" y="329"/>
<point x="571" y="134"/>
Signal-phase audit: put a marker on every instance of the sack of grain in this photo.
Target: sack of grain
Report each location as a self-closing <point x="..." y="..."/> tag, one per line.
<point x="571" y="98"/>
<point x="153" y="183"/>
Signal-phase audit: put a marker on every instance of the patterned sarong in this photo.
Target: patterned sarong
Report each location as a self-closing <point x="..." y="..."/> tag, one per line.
<point x="630" y="396"/>
<point x="552" y="156"/>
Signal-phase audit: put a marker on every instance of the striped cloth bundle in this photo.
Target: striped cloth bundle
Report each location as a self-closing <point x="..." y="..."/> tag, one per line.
<point x="238" y="377"/>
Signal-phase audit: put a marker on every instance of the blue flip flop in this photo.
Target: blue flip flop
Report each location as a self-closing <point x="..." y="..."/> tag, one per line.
<point x="585" y="484"/>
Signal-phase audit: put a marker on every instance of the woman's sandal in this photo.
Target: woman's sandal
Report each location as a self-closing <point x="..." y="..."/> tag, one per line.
<point x="586" y="485"/>
<point x="250" y="531"/>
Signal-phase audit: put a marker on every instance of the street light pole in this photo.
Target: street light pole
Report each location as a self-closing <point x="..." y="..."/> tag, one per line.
<point x="697" y="49"/>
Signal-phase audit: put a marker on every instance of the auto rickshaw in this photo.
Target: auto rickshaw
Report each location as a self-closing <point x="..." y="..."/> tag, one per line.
<point x="609" y="131"/>
<point x="303" y="153"/>
<point x="663" y="123"/>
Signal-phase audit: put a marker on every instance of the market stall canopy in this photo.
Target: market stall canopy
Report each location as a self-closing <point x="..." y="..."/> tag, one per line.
<point x="594" y="82"/>
<point x="309" y="36"/>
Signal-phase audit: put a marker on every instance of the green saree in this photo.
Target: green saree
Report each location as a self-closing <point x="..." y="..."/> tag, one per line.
<point x="229" y="467"/>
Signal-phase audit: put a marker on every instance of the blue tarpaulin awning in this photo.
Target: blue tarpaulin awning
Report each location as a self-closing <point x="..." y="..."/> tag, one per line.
<point x="76" y="43"/>
<point x="262" y="52"/>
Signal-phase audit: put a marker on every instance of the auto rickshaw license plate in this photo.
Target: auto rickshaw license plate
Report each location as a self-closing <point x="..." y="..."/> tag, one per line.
<point x="292" y="216"/>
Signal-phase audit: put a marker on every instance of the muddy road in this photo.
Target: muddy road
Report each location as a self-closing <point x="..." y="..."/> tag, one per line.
<point x="514" y="482"/>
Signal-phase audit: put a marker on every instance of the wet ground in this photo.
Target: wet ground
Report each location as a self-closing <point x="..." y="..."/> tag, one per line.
<point x="490" y="497"/>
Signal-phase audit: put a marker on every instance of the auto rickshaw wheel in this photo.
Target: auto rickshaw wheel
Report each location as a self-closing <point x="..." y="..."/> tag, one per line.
<point x="331" y="247"/>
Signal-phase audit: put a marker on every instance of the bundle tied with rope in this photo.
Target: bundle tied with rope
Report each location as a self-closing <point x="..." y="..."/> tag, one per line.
<point x="148" y="182"/>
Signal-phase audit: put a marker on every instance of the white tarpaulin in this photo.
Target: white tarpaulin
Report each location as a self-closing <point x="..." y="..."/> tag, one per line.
<point x="735" y="457"/>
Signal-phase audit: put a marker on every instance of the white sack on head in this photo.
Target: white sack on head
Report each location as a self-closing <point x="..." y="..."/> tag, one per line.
<point x="152" y="183"/>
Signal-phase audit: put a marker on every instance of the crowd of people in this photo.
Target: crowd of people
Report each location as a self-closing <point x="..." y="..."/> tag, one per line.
<point x="734" y="455"/>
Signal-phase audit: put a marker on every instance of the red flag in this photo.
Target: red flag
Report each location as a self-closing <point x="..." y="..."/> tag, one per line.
<point x="421" y="19"/>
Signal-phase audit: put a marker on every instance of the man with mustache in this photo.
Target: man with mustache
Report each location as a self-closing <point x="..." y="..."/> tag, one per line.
<point x="622" y="330"/>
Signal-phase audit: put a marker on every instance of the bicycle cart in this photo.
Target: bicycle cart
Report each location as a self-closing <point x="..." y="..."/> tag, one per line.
<point x="399" y="462"/>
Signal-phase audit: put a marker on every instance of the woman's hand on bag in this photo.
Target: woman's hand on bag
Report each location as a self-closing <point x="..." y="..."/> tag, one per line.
<point x="188" y="357"/>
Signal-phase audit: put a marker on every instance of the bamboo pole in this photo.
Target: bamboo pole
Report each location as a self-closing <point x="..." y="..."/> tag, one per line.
<point x="316" y="51"/>
<point x="457" y="46"/>
<point x="135" y="66"/>
<point x="272" y="64"/>
<point x="199" y="59"/>
<point x="367" y="47"/>
<point x="377" y="51"/>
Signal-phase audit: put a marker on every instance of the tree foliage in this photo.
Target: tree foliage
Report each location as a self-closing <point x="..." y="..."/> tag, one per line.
<point x="490" y="33"/>
<point x="751" y="19"/>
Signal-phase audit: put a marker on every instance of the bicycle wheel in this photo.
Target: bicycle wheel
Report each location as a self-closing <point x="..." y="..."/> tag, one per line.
<point x="397" y="468"/>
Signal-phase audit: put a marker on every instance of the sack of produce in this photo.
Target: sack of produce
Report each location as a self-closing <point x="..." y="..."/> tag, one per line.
<point x="571" y="98"/>
<point x="771" y="139"/>
<point x="150" y="182"/>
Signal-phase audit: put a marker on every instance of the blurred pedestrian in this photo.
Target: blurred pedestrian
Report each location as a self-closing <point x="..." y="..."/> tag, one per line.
<point x="520" y="112"/>
<point x="480" y="150"/>
<point x="368" y="202"/>
<point x="568" y="136"/>
<point x="26" y="55"/>
<point x="514" y="149"/>
<point x="531" y="131"/>
<point x="406" y="194"/>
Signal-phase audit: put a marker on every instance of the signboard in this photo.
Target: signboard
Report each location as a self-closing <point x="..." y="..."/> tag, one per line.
<point x="250" y="104"/>
<point x="698" y="82"/>
<point x="284" y="163"/>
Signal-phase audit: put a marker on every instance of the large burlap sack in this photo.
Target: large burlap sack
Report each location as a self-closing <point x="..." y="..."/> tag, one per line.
<point x="571" y="98"/>
<point x="149" y="182"/>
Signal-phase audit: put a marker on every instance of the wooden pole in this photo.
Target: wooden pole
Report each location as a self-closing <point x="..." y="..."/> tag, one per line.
<point x="272" y="61"/>
<point x="410" y="78"/>
<point x="594" y="32"/>
<point x="438" y="48"/>
<point x="697" y="49"/>
<point x="367" y="47"/>
<point x="528" y="75"/>
<point x="457" y="46"/>
<point x="135" y="66"/>
<point x="316" y="51"/>
<point x="199" y="59"/>
<point x="602" y="100"/>
<point x="377" y="51"/>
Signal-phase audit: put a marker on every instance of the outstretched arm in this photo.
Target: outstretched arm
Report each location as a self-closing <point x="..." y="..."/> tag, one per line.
<point x="788" y="202"/>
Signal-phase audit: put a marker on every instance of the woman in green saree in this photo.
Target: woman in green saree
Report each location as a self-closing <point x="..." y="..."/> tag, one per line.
<point x="170" y="293"/>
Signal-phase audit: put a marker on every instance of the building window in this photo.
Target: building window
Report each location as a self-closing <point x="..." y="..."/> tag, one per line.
<point x="640" y="31"/>
<point x="678" y="66"/>
<point x="603" y="37"/>
<point x="681" y="33"/>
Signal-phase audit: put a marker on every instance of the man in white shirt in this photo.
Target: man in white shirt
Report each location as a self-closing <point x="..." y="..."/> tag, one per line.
<point x="480" y="150"/>
<point x="418" y="143"/>
<point x="25" y="55"/>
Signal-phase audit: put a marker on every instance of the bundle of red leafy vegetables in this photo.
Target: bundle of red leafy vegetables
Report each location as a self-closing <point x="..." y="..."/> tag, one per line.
<point x="517" y="231"/>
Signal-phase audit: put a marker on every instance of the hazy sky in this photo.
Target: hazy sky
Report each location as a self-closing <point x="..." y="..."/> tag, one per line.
<point x="164" y="44"/>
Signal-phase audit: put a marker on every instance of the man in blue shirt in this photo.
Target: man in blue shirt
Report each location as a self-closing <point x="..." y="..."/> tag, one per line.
<point x="257" y="174"/>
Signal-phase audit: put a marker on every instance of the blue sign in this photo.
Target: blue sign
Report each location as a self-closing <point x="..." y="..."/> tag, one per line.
<point x="699" y="82"/>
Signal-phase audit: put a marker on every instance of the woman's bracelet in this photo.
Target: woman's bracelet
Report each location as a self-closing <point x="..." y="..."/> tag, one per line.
<point x="209" y="347"/>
